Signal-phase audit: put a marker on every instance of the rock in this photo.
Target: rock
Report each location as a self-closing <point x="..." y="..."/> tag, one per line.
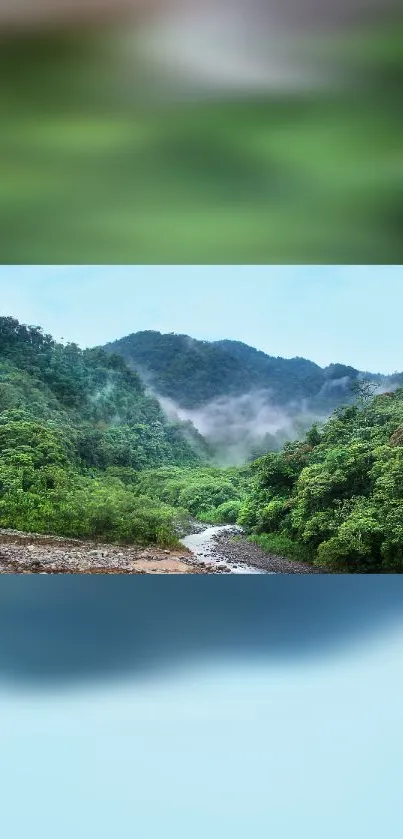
<point x="47" y="554"/>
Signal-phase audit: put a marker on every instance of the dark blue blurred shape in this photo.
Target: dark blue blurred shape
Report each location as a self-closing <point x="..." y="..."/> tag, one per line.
<point x="63" y="629"/>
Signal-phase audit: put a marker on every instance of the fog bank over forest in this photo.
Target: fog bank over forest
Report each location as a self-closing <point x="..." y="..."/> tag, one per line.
<point x="241" y="400"/>
<point x="241" y="428"/>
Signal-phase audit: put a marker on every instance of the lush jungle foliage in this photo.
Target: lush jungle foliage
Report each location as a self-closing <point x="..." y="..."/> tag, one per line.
<point x="208" y="493"/>
<point x="336" y="498"/>
<point x="76" y="429"/>
<point x="86" y="452"/>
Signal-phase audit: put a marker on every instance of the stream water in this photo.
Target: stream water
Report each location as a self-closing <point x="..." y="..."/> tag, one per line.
<point x="203" y="547"/>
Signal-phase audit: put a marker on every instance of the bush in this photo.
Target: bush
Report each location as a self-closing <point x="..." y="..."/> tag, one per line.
<point x="226" y="513"/>
<point x="83" y="507"/>
<point x="278" y="544"/>
<point x="206" y="494"/>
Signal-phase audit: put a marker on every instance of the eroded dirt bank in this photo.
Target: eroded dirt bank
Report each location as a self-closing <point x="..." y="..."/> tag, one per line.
<point x="22" y="553"/>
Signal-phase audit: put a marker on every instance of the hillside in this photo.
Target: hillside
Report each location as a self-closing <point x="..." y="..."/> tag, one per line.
<point x="336" y="497"/>
<point x="194" y="372"/>
<point x="241" y="400"/>
<point x="76" y="426"/>
<point x="87" y="453"/>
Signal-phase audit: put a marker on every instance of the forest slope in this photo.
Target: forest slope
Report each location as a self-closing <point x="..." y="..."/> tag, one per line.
<point x="244" y="402"/>
<point x="76" y="428"/>
<point x="194" y="372"/>
<point x="336" y="497"/>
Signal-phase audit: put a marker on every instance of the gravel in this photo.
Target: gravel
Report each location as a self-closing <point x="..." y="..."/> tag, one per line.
<point x="238" y="550"/>
<point x="29" y="553"/>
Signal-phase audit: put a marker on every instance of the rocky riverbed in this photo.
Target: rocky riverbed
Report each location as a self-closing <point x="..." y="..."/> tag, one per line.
<point x="236" y="549"/>
<point x="228" y="549"/>
<point x="210" y="550"/>
<point x="29" y="553"/>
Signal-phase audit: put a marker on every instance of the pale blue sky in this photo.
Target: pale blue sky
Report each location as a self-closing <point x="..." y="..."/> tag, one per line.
<point x="350" y="314"/>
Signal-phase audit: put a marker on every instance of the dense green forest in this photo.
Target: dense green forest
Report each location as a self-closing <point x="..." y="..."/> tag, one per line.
<point x="86" y="451"/>
<point x="195" y="372"/>
<point x="336" y="497"/>
<point x="76" y="428"/>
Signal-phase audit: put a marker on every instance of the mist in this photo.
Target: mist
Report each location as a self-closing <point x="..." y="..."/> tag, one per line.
<point x="243" y="427"/>
<point x="240" y="428"/>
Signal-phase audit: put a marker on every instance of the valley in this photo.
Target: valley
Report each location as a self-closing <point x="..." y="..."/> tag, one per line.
<point x="119" y="460"/>
<point x="213" y="550"/>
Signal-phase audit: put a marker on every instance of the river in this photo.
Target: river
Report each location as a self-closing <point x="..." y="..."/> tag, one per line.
<point x="227" y="549"/>
<point x="204" y="547"/>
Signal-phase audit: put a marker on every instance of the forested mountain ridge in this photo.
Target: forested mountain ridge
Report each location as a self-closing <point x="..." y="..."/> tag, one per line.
<point x="192" y="372"/>
<point x="91" y="388"/>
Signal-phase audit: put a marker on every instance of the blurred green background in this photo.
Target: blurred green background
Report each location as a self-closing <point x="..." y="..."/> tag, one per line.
<point x="98" y="168"/>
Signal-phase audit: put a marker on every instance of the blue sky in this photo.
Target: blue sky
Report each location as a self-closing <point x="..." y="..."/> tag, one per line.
<point x="350" y="314"/>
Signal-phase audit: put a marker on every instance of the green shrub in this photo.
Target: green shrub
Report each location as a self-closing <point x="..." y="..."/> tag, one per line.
<point x="228" y="512"/>
<point x="278" y="544"/>
<point x="83" y="507"/>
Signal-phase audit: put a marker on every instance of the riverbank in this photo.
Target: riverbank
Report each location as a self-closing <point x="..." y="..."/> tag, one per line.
<point x="236" y="548"/>
<point x="226" y="547"/>
<point x="30" y="553"/>
<point x="212" y="550"/>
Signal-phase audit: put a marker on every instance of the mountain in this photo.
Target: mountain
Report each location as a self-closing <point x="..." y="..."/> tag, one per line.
<point x="241" y="400"/>
<point x="193" y="372"/>
<point x="87" y="389"/>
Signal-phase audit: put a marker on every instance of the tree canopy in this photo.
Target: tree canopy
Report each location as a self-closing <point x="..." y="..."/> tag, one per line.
<point x="337" y="495"/>
<point x="194" y="372"/>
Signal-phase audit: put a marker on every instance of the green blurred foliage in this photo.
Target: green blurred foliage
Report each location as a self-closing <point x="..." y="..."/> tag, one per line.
<point x="94" y="169"/>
